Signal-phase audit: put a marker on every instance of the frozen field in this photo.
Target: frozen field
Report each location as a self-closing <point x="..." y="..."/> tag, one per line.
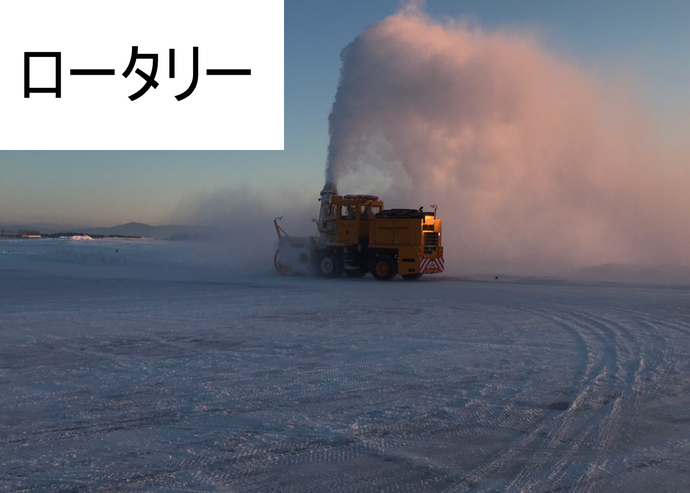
<point x="144" y="370"/>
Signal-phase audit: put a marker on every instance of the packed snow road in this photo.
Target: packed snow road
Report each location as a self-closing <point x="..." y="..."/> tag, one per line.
<point x="298" y="384"/>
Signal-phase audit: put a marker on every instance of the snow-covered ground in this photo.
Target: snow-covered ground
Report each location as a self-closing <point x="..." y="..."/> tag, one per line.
<point x="148" y="368"/>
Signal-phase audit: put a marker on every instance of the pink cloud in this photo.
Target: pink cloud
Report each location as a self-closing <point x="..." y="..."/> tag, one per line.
<point x="529" y="161"/>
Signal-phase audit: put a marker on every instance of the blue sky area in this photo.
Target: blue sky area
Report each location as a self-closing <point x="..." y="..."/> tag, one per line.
<point x="648" y="40"/>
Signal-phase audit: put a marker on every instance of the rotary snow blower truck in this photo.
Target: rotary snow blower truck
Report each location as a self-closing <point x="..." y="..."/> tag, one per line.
<point x="357" y="235"/>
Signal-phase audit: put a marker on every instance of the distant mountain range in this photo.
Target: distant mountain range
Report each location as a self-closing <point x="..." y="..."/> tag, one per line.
<point x="166" y="232"/>
<point x="171" y="231"/>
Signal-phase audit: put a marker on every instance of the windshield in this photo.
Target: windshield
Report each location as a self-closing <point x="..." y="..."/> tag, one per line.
<point x="369" y="211"/>
<point x="347" y="212"/>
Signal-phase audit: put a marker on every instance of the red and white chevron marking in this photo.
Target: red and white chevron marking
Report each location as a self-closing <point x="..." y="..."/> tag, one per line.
<point x="431" y="265"/>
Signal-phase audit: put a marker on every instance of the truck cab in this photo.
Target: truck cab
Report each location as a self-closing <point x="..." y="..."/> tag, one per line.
<point x="349" y="218"/>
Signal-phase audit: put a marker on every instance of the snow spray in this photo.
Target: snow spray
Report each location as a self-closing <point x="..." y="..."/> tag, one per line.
<point x="534" y="165"/>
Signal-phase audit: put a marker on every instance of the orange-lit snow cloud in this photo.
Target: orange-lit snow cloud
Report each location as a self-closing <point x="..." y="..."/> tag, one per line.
<point x="529" y="160"/>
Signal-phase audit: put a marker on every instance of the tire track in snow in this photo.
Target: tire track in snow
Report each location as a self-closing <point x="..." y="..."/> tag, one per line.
<point x="617" y="391"/>
<point x="610" y="349"/>
<point x="542" y="430"/>
<point x="604" y="399"/>
<point x="560" y="440"/>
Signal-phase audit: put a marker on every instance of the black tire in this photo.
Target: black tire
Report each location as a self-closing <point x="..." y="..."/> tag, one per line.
<point x="412" y="277"/>
<point x="278" y="265"/>
<point x="330" y="265"/>
<point x="383" y="268"/>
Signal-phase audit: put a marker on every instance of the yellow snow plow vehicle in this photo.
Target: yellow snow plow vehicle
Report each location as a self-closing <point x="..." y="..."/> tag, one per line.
<point x="357" y="235"/>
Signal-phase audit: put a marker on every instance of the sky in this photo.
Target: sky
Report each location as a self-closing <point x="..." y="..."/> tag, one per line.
<point x="644" y="45"/>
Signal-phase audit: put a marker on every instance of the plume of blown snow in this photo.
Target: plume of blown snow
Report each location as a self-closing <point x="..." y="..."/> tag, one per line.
<point x="234" y="227"/>
<point x="533" y="166"/>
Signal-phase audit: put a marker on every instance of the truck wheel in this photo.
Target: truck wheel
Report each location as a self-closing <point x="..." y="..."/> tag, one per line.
<point x="412" y="277"/>
<point x="383" y="268"/>
<point x="330" y="265"/>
